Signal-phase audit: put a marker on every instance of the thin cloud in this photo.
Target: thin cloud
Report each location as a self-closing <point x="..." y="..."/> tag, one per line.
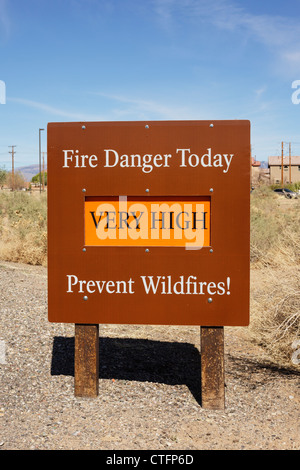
<point x="292" y="60"/>
<point x="5" y="24"/>
<point x="279" y="34"/>
<point x="143" y="108"/>
<point x="260" y="91"/>
<point x="54" y="111"/>
<point x="136" y="109"/>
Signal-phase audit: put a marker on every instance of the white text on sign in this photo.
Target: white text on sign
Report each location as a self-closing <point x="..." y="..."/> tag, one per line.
<point x="147" y="162"/>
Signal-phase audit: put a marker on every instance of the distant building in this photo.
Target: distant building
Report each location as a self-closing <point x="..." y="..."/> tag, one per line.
<point x="290" y="172"/>
<point x="255" y="163"/>
<point x="255" y="172"/>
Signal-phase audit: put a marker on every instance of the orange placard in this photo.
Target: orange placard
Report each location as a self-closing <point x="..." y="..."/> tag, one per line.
<point x="122" y="221"/>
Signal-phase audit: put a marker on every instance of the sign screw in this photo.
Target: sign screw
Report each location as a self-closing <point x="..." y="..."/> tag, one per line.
<point x="211" y="190"/>
<point x="147" y="250"/>
<point x="211" y="250"/>
<point x="211" y="125"/>
<point x="147" y="190"/>
<point x="85" y="297"/>
<point x="147" y="126"/>
<point x="209" y="300"/>
<point x="83" y="127"/>
<point x="84" y="190"/>
<point x="83" y="249"/>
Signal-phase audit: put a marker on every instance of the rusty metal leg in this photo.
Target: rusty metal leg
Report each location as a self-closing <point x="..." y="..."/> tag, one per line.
<point x="86" y="370"/>
<point x="212" y="368"/>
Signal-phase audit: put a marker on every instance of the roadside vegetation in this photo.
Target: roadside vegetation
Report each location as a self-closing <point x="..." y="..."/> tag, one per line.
<point x="23" y="227"/>
<point x="275" y="275"/>
<point x="9" y="180"/>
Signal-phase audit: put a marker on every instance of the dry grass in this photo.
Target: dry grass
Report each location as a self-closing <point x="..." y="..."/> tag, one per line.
<point x="275" y="288"/>
<point x="275" y="229"/>
<point x="23" y="227"/>
<point x="275" y="312"/>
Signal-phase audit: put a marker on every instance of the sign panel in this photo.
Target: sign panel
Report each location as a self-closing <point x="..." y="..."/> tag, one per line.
<point x="148" y="222"/>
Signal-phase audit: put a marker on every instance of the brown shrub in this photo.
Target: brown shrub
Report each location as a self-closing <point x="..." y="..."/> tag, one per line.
<point x="275" y="312"/>
<point x="23" y="228"/>
<point x="275" y="273"/>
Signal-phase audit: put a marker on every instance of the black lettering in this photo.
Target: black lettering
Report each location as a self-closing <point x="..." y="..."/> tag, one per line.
<point x="162" y="220"/>
<point x="199" y="220"/>
<point x="171" y="220"/>
<point x="137" y="219"/>
<point x="121" y="220"/>
<point x="110" y="220"/>
<point x="94" y="218"/>
<point x="177" y="220"/>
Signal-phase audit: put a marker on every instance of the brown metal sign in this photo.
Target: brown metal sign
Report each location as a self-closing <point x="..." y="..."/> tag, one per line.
<point x="148" y="222"/>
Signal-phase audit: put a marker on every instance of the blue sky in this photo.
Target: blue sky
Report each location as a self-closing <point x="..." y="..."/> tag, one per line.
<point x="115" y="60"/>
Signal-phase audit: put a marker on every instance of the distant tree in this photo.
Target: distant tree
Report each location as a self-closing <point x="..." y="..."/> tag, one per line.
<point x="36" y="178"/>
<point x="3" y="174"/>
<point x="16" y="182"/>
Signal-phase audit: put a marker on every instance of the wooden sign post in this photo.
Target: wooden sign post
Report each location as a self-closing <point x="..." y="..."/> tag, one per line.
<point x="212" y="368"/>
<point x="148" y="223"/>
<point x="86" y="364"/>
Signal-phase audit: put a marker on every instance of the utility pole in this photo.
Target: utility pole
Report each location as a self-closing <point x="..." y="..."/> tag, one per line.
<point x="251" y="169"/>
<point x="43" y="171"/>
<point x="12" y="166"/>
<point x="40" y="169"/>
<point x="290" y="164"/>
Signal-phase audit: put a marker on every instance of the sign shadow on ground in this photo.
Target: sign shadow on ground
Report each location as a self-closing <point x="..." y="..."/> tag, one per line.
<point x="171" y="363"/>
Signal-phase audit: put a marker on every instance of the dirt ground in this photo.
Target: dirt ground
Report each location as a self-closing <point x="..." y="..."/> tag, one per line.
<point x="149" y="385"/>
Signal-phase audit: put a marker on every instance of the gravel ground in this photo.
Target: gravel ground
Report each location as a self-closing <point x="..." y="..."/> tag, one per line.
<point x="148" y="388"/>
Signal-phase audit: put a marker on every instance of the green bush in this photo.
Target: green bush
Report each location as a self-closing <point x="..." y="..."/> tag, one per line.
<point x="36" y="178"/>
